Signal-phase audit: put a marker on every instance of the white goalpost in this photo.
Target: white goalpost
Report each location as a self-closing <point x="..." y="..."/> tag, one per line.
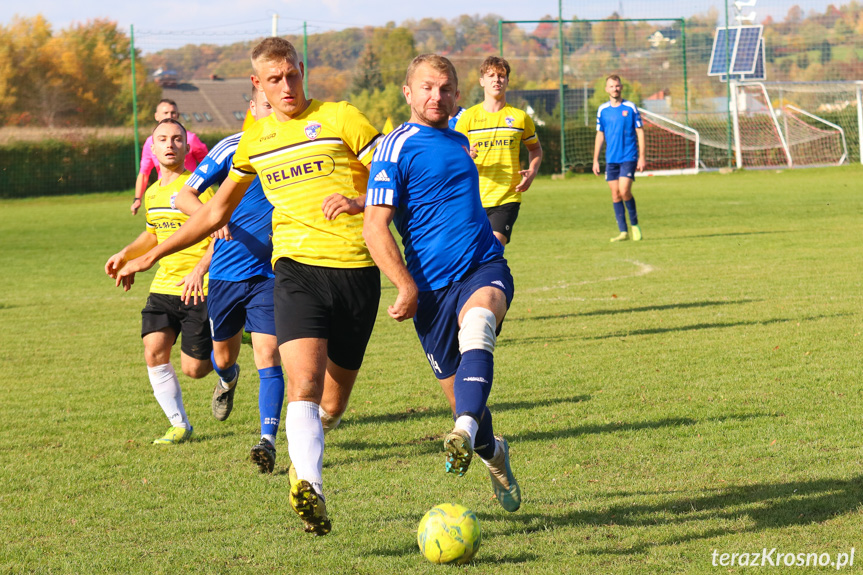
<point x="671" y="148"/>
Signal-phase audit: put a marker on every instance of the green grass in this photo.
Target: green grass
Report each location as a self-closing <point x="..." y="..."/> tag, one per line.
<point x="699" y="390"/>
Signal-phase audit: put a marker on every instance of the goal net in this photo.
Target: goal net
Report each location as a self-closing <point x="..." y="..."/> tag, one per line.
<point x="670" y="148"/>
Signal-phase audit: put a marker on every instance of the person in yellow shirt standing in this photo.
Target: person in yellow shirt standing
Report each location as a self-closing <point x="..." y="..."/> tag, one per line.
<point x="173" y="306"/>
<point x="496" y="131"/>
<point x="312" y="159"/>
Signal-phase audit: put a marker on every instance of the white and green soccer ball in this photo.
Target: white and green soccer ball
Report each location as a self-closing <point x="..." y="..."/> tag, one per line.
<point x="449" y="533"/>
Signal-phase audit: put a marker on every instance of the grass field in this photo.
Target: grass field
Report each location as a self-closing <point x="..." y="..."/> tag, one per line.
<point x="698" y="391"/>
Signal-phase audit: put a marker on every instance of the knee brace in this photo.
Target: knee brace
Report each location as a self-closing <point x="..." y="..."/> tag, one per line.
<point x="328" y="422"/>
<point x="477" y="330"/>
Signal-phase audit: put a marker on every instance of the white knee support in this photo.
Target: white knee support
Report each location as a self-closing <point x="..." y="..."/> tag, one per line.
<point x="477" y="330"/>
<point x="328" y="422"/>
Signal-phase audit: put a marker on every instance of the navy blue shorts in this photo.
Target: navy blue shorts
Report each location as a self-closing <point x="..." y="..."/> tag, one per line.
<point x="621" y="170"/>
<point x="235" y="305"/>
<point x="436" y="320"/>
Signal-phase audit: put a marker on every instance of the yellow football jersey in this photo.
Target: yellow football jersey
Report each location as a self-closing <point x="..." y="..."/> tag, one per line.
<point x="163" y="219"/>
<point x="498" y="137"/>
<point x="325" y="150"/>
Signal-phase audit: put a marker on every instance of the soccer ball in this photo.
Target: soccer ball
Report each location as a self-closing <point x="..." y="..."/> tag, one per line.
<point x="449" y="533"/>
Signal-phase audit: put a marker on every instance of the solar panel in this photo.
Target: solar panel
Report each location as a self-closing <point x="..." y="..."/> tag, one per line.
<point x="760" y="69"/>
<point x="746" y="53"/>
<point x="718" y="62"/>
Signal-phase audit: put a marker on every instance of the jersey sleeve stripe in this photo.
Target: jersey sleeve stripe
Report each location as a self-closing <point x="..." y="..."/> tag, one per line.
<point x="370" y="147"/>
<point x="195" y="182"/>
<point x="385" y="145"/>
<point x="400" y="141"/>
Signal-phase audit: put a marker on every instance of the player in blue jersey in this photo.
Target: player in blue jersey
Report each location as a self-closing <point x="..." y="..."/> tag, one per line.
<point x="241" y="291"/>
<point x="618" y="125"/>
<point x="456" y="113"/>
<point x="455" y="282"/>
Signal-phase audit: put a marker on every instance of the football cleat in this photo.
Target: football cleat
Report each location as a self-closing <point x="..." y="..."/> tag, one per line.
<point x="223" y="399"/>
<point x="309" y="505"/>
<point x="636" y="234"/>
<point x="503" y="482"/>
<point x="458" y="451"/>
<point x="622" y="237"/>
<point x="174" y="435"/>
<point x="264" y="455"/>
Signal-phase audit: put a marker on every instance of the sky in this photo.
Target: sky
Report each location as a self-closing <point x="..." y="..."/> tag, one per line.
<point x="227" y="17"/>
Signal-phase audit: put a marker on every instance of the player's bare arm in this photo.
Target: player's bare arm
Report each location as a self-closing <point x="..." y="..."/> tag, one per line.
<point x="384" y="250"/>
<point x="597" y="147"/>
<point x="193" y="283"/>
<point x="639" y="133"/>
<point x="212" y="216"/>
<point x="534" y="156"/>
<point x="336" y="204"/>
<point x="188" y="201"/>
<point x="142" y="244"/>
<point x="140" y="188"/>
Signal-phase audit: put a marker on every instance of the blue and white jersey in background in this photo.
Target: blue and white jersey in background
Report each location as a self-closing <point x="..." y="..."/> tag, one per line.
<point x="618" y="123"/>
<point x="454" y="120"/>
<point x="427" y="174"/>
<point x="249" y="253"/>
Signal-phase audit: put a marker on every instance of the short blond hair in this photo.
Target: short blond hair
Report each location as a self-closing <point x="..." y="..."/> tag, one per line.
<point x="494" y="63"/>
<point x="436" y="62"/>
<point x="275" y="49"/>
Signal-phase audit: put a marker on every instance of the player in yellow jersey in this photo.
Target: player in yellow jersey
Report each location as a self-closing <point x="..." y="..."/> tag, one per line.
<point x="311" y="158"/>
<point x="180" y="278"/>
<point x="496" y="131"/>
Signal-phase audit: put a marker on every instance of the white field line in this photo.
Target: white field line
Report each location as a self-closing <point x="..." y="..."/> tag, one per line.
<point x="642" y="269"/>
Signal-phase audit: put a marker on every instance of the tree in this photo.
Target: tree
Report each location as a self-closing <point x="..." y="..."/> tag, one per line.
<point x="368" y="75"/>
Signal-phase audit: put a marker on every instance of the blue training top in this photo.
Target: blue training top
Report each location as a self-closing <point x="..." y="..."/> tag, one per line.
<point x="249" y="253"/>
<point x="454" y="120"/>
<point x="428" y="175"/>
<point x="618" y="123"/>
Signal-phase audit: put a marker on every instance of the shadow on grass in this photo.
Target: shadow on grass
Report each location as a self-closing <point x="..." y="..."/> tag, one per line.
<point x="412" y="549"/>
<point x="430" y="445"/>
<point x="700" y="326"/>
<point x="615" y="427"/>
<point x="746" y="508"/>
<point x="727" y="235"/>
<point x="663" y="330"/>
<point x="438" y="412"/>
<point x="672" y="306"/>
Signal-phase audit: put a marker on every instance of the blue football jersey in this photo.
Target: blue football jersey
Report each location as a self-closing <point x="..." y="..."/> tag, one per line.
<point x="618" y="123"/>
<point x="427" y="174"/>
<point x="454" y="120"/>
<point x="249" y="253"/>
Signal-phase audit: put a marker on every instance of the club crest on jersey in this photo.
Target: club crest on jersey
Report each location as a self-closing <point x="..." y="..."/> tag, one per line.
<point x="313" y="129"/>
<point x="509" y="121"/>
<point x="173" y="201"/>
<point x="624" y="113"/>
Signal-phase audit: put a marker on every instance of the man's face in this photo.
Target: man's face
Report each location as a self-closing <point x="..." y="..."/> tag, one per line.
<point x="494" y="82"/>
<point x="165" y="111"/>
<point x="613" y="88"/>
<point x="169" y="145"/>
<point x="259" y="106"/>
<point x="282" y="83"/>
<point x="431" y="96"/>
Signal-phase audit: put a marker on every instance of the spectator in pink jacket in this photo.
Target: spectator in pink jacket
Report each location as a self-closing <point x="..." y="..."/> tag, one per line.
<point x="197" y="152"/>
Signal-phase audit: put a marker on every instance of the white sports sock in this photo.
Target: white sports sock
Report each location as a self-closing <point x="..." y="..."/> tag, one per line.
<point x="270" y="438"/>
<point x="166" y="388"/>
<point x="469" y="424"/>
<point x="306" y="441"/>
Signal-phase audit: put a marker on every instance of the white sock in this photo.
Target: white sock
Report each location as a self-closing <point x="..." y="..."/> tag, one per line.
<point x="270" y="438"/>
<point x="469" y="424"/>
<point x="306" y="441"/>
<point x="166" y="388"/>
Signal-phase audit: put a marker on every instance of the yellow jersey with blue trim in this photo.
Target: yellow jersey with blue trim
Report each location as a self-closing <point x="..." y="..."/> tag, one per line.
<point x="325" y="150"/>
<point x="163" y="219"/>
<point x="498" y="137"/>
